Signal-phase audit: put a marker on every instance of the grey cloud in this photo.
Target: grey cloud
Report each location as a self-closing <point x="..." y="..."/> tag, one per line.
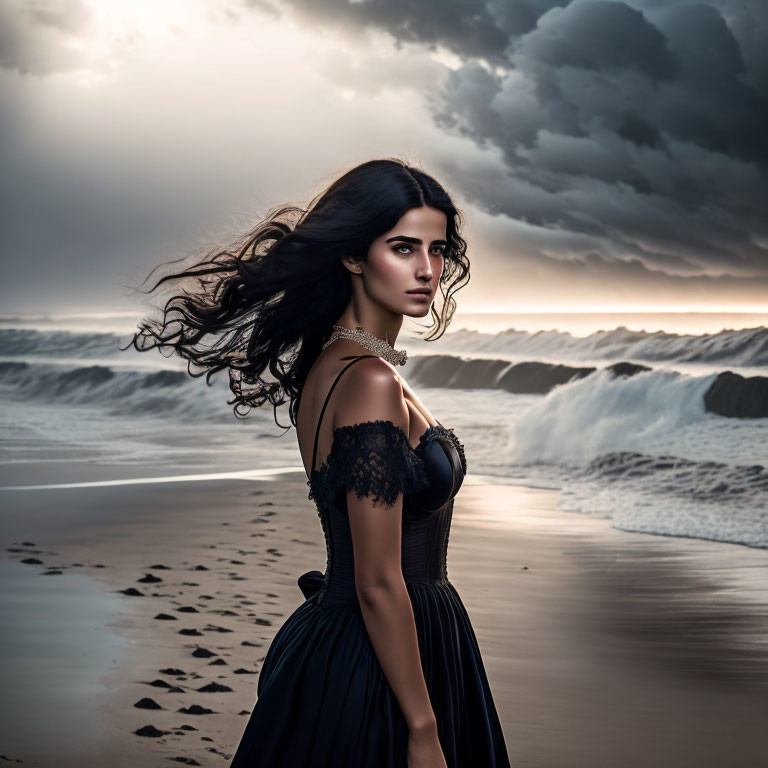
<point x="465" y="27"/>
<point x="606" y="37"/>
<point x="65" y="15"/>
<point x="34" y="33"/>
<point x="641" y="123"/>
<point x="535" y="271"/>
<point x="637" y="166"/>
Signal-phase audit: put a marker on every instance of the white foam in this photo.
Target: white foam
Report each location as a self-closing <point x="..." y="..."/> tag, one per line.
<point x="600" y="413"/>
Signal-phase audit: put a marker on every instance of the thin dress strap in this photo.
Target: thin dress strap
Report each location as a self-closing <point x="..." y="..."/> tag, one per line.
<point x="327" y="398"/>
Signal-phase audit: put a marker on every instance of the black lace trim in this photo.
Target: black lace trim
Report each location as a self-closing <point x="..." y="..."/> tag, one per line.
<point x="459" y="446"/>
<point x="375" y="458"/>
<point x="372" y="458"/>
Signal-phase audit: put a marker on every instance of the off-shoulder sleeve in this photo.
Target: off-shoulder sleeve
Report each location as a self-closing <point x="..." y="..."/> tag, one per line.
<point x="375" y="459"/>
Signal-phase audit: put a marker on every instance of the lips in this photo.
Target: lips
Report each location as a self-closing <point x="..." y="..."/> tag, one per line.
<point x="420" y="292"/>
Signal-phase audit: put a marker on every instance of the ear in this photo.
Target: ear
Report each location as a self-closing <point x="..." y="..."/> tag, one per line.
<point x="355" y="266"/>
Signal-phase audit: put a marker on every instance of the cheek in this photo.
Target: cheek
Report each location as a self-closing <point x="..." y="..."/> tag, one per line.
<point x="390" y="269"/>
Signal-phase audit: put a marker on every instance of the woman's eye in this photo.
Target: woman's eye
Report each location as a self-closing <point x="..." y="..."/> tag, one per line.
<point x="437" y="249"/>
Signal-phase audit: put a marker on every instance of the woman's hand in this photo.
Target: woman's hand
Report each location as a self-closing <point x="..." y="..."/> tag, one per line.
<point x="424" y="750"/>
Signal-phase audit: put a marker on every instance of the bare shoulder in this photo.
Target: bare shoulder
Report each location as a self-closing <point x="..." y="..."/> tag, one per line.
<point x="371" y="390"/>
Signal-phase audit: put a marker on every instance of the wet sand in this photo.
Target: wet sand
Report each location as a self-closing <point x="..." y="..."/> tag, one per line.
<point x="603" y="648"/>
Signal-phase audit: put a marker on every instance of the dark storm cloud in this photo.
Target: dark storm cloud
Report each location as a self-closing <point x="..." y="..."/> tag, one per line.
<point x="466" y="27"/>
<point x="642" y="122"/>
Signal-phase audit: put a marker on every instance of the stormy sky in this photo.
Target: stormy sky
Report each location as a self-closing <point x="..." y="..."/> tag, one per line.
<point x="606" y="153"/>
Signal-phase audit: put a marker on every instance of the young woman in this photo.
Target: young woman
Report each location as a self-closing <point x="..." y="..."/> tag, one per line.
<point x="379" y="666"/>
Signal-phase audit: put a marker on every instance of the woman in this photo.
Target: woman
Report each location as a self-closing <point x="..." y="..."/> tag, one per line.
<point x="379" y="666"/>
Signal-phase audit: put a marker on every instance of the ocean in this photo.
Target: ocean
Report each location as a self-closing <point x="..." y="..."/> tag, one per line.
<point x="658" y="422"/>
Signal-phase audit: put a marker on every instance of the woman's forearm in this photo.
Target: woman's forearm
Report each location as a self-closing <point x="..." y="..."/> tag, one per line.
<point x="388" y="615"/>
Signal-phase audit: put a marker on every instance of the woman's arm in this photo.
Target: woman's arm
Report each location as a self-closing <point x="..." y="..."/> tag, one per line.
<point x="375" y="393"/>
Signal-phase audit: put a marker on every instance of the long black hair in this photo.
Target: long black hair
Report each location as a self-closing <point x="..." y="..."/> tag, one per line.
<point x="269" y="299"/>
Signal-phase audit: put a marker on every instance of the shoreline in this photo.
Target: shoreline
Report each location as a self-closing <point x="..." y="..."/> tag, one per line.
<point x="603" y="647"/>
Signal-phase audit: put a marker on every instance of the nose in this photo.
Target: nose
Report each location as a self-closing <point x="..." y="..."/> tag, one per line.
<point x="424" y="266"/>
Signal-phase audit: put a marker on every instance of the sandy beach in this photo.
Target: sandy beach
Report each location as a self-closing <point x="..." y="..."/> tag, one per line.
<point x="140" y="614"/>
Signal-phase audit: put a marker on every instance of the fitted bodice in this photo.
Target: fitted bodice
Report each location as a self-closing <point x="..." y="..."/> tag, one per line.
<point x="375" y="459"/>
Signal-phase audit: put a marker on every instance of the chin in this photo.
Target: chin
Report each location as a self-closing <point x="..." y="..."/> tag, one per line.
<point x="419" y="313"/>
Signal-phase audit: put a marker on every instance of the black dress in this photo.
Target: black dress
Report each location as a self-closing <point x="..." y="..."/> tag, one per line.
<point x="323" y="699"/>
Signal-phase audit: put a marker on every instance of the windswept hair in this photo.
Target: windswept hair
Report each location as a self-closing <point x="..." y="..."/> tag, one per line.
<point x="270" y="298"/>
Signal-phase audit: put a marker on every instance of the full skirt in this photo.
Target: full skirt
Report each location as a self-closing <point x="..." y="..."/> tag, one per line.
<point x="324" y="701"/>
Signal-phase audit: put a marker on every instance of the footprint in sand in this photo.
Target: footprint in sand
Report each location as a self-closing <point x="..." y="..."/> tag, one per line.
<point x="146" y="703"/>
<point x="214" y="628"/>
<point x="196" y="709"/>
<point x="214" y="688"/>
<point x="203" y="653"/>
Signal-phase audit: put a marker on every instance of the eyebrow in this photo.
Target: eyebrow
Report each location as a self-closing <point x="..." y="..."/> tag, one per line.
<point x="415" y="240"/>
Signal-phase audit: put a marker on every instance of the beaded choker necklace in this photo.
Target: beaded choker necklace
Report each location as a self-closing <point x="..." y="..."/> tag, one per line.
<point x="369" y="341"/>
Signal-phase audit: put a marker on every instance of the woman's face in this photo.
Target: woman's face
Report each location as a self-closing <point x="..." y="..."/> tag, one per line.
<point x="408" y="257"/>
